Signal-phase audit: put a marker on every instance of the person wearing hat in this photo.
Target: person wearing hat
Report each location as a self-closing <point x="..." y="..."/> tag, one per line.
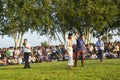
<point x="80" y="50"/>
<point x="100" y="47"/>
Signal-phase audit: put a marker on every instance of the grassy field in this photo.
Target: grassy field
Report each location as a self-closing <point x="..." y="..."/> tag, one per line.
<point x="93" y="70"/>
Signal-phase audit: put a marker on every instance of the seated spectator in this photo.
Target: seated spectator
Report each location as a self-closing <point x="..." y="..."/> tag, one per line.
<point x="12" y="61"/>
<point x="93" y="56"/>
<point x="53" y="50"/>
<point x="90" y="48"/>
<point x="110" y="46"/>
<point x="7" y="53"/>
<point x="47" y="54"/>
<point x="0" y="55"/>
<point x="3" y="53"/>
<point x="119" y="49"/>
<point x="32" y="58"/>
<point x="109" y="55"/>
<point x="11" y="51"/>
<point x="3" y="61"/>
<point x="58" y="53"/>
<point x="16" y="52"/>
<point x="20" y="58"/>
<point x="39" y="55"/>
<point x="66" y="56"/>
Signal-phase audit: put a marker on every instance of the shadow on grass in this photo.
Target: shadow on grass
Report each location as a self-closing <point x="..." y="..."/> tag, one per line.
<point x="104" y="63"/>
<point x="10" y="67"/>
<point x="42" y="68"/>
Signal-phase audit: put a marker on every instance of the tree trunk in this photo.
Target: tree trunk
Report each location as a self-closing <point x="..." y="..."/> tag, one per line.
<point x="90" y="37"/>
<point x="49" y="39"/>
<point x="87" y="36"/>
<point x="18" y="39"/>
<point x="21" y="38"/>
<point x="107" y="36"/>
<point x="64" y="37"/>
<point x="15" y="40"/>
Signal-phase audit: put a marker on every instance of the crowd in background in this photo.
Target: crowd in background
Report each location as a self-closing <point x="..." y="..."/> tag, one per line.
<point x="11" y="55"/>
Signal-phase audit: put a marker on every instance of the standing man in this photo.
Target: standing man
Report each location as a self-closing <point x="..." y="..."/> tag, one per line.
<point x="100" y="47"/>
<point x="69" y="51"/>
<point x="26" y="51"/>
<point x="80" y="50"/>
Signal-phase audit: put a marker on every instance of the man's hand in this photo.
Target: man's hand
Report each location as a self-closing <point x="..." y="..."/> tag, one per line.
<point x="27" y="47"/>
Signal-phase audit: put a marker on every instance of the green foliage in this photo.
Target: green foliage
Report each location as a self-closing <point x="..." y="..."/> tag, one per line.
<point x="45" y="43"/>
<point x="49" y="17"/>
<point x="1" y="7"/>
<point x="93" y="70"/>
<point x="82" y="14"/>
<point x="19" y="15"/>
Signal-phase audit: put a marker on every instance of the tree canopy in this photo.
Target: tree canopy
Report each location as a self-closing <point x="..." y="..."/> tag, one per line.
<point x="51" y="17"/>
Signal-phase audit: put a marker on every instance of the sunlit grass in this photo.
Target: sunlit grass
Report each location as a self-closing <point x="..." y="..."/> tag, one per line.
<point x="93" y="70"/>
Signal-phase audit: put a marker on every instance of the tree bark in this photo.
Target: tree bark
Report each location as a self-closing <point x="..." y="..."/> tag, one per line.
<point x="107" y="36"/>
<point x="15" y="40"/>
<point x="87" y="36"/>
<point x="64" y="38"/>
<point x="21" y="38"/>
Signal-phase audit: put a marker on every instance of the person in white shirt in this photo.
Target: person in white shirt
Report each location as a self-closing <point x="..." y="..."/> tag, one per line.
<point x="26" y="51"/>
<point x="100" y="48"/>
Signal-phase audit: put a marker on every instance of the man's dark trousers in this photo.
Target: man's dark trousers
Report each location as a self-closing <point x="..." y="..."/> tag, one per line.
<point x="100" y="52"/>
<point x="79" y="52"/>
<point x="26" y="58"/>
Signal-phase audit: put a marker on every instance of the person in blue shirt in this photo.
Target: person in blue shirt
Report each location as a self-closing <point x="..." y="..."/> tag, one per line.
<point x="80" y="50"/>
<point x="100" y="48"/>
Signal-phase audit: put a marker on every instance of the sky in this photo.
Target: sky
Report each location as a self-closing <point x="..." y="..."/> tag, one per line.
<point x="34" y="39"/>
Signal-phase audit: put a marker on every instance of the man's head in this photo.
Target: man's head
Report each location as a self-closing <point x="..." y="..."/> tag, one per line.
<point x="82" y="36"/>
<point x="99" y="38"/>
<point x="25" y="41"/>
<point x="70" y="36"/>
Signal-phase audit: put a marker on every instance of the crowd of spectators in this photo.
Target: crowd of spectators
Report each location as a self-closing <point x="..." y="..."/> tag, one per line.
<point x="111" y="50"/>
<point x="11" y="55"/>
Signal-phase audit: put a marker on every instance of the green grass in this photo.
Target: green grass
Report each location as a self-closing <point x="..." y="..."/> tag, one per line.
<point x="93" y="70"/>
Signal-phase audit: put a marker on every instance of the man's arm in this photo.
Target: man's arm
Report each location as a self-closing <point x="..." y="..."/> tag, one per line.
<point x="28" y="46"/>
